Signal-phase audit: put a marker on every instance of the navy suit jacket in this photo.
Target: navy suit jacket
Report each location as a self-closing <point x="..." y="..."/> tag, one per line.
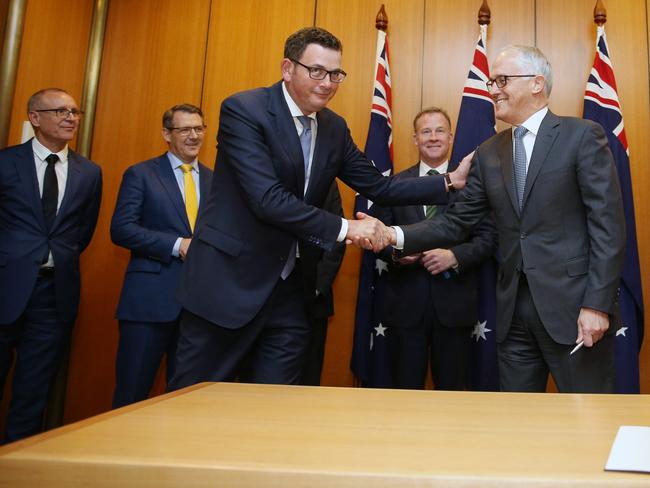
<point x="256" y="209"/>
<point x="24" y="239"/>
<point x="410" y="288"/>
<point x="149" y="216"/>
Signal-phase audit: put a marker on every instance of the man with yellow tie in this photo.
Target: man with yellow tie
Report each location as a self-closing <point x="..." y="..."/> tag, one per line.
<point x="155" y="216"/>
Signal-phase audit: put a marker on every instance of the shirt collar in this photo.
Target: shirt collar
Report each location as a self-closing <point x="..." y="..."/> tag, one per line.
<point x="293" y="108"/>
<point x="176" y="162"/>
<point x="441" y="168"/>
<point x="533" y="122"/>
<point x="42" y="152"/>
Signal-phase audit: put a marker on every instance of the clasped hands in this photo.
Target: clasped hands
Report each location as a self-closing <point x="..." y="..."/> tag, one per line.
<point x="369" y="233"/>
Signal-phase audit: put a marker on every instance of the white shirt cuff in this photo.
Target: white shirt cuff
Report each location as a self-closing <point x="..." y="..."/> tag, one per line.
<point x="177" y="246"/>
<point x="343" y="232"/>
<point x="399" y="238"/>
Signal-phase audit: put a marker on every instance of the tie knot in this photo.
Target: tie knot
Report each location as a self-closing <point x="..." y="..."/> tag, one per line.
<point x="305" y="121"/>
<point x="187" y="168"/>
<point x="520" y="132"/>
<point x="52" y="159"/>
<point x="432" y="172"/>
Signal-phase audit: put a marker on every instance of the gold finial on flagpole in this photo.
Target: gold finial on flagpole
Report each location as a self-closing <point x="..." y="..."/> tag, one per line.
<point x="600" y="13"/>
<point x="381" y="21"/>
<point x="484" y="14"/>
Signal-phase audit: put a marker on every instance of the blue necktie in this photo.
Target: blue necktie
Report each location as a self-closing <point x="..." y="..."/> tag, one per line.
<point x="520" y="164"/>
<point x="305" y="143"/>
<point x="305" y="140"/>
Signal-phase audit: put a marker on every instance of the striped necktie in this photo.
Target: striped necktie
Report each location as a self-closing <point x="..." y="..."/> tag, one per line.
<point x="430" y="210"/>
<point x="520" y="164"/>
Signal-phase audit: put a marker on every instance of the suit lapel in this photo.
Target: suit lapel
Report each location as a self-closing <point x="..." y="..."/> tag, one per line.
<point x="548" y="132"/>
<point x="165" y="173"/>
<point x="26" y="169"/>
<point x="504" y="152"/>
<point x="418" y="210"/>
<point x="288" y="135"/>
<point x="204" y="185"/>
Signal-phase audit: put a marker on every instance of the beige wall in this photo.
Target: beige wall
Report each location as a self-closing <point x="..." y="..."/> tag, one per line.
<point x="158" y="53"/>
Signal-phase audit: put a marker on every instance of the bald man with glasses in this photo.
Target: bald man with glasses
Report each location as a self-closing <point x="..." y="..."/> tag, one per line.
<point x="49" y="202"/>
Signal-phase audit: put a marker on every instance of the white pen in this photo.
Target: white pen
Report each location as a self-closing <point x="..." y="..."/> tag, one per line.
<point x="580" y="344"/>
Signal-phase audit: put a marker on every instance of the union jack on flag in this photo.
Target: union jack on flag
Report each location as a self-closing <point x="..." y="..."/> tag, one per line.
<point x="475" y="124"/>
<point x="369" y="361"/>
<point x="601" y="105"/>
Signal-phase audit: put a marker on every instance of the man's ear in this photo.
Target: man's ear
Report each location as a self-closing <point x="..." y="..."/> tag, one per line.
<point x="287" y="69"/>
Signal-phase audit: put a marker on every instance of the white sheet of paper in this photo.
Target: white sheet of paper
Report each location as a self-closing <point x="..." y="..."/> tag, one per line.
<point x="631" y="450"/>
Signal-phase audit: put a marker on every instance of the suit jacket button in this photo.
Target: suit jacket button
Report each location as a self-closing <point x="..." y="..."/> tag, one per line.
<point x="523" y="235"/>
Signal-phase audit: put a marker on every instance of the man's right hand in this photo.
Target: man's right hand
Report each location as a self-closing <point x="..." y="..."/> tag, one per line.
<point x="369" y="233"/>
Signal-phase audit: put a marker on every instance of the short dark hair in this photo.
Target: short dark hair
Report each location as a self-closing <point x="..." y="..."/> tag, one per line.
<point x="35" y="99"/>
<point x="168" y="116"/>
<point x="431" y="110"/>
<point x="298" y="41"/>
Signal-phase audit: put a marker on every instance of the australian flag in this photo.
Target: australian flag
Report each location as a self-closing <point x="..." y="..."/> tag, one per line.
<point x="601" y="105"/>
<point x="476" y="124"/>
<point x="370" y="362"/>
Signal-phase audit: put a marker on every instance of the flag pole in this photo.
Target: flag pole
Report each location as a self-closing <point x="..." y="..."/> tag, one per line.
<point x="600" y="13"/>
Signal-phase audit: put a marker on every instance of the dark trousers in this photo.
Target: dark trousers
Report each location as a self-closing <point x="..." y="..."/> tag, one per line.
<point x="528" y="354"/>
<point x="269" y="349"/>
<point x="139" y="354"/>
<point x="313" y="365"/>
<point x="38" y="339"/>
<point x="446" y="349"/>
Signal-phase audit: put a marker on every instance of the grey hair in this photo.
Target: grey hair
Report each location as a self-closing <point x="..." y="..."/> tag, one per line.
<point x="532" y="59"/>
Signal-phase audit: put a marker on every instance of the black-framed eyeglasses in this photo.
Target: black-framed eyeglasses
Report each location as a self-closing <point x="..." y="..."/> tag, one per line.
<point x="318" y="73"/>
<point x="63" y="113"/>
<point x="502" y="80"/>
<point x="199" y="130"/>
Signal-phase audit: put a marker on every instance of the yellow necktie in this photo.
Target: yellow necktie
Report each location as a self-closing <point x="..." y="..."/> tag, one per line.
<point x="191" y="202"/>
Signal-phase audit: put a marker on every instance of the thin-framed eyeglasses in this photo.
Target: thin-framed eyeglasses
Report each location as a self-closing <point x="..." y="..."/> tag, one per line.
<point x="199" y="130"/>
<point x="62" y="113"/>
<point x="502" y="80"/>
<point x="318" y="73"/>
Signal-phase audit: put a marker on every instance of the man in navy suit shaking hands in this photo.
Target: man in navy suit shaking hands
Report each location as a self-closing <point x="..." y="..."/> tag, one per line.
<point x="49" y="202"/>
<point x="263" y="228"/>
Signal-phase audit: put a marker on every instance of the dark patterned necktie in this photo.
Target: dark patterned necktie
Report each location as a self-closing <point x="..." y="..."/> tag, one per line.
<point x="430" y="210"/>
<point x="520" y="164"/>
<point x="50" y="197"/>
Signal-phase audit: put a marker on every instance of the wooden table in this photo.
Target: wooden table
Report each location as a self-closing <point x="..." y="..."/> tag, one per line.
<point x="222" y="434"/>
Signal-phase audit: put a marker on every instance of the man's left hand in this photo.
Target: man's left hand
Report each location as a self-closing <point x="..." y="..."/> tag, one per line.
<point x="438" y="261"/>
<point x="592" y="325"/>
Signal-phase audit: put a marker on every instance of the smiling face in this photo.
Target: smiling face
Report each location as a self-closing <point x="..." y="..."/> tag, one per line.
<point x="186" y="148"/>
<point x="520" y="97"/>
<point x="311" y="95"/>
<point x="52" y="131"/>
<point x="433" y="138"/>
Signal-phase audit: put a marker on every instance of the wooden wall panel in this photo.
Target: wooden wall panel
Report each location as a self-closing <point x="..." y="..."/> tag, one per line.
<point x="566" y="33"/>
<point x="153" y="59"/>
<point x="245" y="48"/>
<point x="354" y="24"/>
<point x="52" y="54"/>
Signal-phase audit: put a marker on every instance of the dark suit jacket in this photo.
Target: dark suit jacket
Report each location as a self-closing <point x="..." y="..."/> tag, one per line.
<point x="24" y="238"/>
<point x="568" y="238"/>
<point x="321" y="306"/>
<point x="410" y="288"/>
<point x="149" y="216"/>
<point x="256" y="209"/>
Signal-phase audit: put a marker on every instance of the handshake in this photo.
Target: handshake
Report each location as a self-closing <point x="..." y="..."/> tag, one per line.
<point x="369" y="233"/>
